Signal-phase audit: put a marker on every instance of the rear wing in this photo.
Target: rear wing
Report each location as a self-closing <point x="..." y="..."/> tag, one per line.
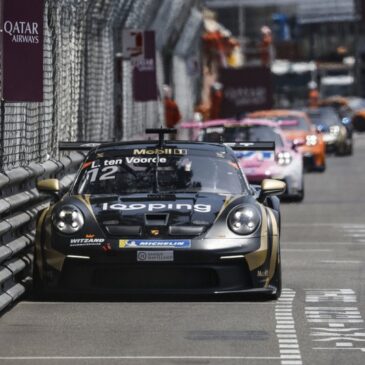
<point x="78" y="146"/>
<point x="88" y="145"/>
<point x="251" y="146"/>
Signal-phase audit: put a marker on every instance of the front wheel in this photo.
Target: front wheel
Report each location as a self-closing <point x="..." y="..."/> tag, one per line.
<point x="38" y="284"/>
<point x="277" y="280"/>
<point x="300" y="196"/>
<point x="321" y="168"/>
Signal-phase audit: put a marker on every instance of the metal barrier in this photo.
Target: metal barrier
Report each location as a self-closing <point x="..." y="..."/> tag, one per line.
<point x="20" y="202"/>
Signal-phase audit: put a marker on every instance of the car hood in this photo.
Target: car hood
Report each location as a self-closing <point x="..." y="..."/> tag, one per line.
<point x="147" y="211"/>
<point x="292" y="135"/>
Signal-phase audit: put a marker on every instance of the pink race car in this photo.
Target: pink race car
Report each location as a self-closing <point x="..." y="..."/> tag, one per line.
<point x="284" y="164"/>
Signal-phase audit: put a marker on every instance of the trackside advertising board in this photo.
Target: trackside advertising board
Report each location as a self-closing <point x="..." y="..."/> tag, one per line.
<point x="22" y="50"/>
<point x="246" y="89"/>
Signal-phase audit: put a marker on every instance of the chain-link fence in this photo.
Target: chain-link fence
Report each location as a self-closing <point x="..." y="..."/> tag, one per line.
<point x="87" y="89"/>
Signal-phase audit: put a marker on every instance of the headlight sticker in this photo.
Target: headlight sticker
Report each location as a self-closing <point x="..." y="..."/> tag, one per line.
<point x="68" y="219"/>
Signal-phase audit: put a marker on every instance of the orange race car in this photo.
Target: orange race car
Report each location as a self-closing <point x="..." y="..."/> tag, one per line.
<point x="299" y="129"/>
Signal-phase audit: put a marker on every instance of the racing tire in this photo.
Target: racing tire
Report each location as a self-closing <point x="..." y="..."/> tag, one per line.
<point x="38" y="291"/>
<point x="349" y="150"/>
<point x="341" y="151"/>
<point x="300" y="196"/>
<point x="321" y="168"/>
<point x="278" y="280"/>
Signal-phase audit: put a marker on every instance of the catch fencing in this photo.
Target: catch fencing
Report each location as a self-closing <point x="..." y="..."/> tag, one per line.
<point x="87" y="81"/>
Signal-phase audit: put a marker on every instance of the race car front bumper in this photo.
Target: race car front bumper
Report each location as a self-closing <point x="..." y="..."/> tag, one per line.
<point x="191" y="272"/>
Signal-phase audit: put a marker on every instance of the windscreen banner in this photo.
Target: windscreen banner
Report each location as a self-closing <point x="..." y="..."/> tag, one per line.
<point x="140" y="47"/>
<point x="245" y="89"/>
<point x="21" y="40"/>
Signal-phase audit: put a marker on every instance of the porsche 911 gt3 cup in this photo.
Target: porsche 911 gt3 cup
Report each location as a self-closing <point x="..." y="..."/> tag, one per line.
<point x="285" y="163"/>
<point x="160" y="217"/>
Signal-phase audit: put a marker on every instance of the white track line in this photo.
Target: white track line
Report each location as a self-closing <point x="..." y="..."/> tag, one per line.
<point x="341" y="262"/>
<point x="308" y="250"/>
<point x="9" y="358"/>
<point x="285" y="329"/>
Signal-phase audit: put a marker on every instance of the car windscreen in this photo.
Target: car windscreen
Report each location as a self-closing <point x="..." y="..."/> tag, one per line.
<point x="357" y="104"/>
<point x="252" y="133"/>
<point x="324" y="116"/>
<point x="293" y="123"/>
<point x="170" y="170"/>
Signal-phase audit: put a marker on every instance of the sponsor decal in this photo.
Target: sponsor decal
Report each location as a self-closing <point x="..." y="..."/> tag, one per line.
<point x="155" y="243"/>
<point x="151" y="207"/>
<point x="155" y="255"/>
<point x="86" y="165"/>
<point x="120" y="161"/>
<point x="21" y="43"/>
<point x="22" y="31"/>
<point x="155" y="232"/>
<point x="251" y="155"/>
<point x="161" y="151"/>
<point x="262" y="273"/>
<point x="145" y="160"/>
<point x="106" y="247"/>
<point x="219" y="130"/>
<point x="76" y="242"/>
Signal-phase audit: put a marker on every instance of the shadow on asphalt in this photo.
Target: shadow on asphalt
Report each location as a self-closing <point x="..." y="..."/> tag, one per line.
<point x="143" y="298"/>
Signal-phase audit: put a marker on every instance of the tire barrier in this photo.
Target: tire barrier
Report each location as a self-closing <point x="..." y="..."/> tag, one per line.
<point x="20" y="202"/>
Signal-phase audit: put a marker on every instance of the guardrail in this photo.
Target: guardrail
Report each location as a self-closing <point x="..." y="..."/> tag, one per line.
<point x="20" y="202"/>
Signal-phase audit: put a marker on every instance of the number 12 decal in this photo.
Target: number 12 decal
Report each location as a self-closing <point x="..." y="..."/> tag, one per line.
<point x="108" y="173"/>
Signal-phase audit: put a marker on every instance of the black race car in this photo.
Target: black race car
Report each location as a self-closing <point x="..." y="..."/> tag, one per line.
<point x="336" y="135"/>
<point x="161" y="217"/>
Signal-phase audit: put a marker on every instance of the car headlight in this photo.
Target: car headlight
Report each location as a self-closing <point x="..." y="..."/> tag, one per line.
<point x="244" y="219"/>
<point x="335" y="130"/>
<point x="284" y="158"/>
<point x="69" y="219"/>
<point x="311" y="140"/>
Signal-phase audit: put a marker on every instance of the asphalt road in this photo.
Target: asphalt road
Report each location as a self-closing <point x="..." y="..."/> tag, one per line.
<point x="318" y="320"/>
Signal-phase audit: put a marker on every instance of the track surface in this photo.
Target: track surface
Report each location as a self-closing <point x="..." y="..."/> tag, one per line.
<point x="319" y="319"/>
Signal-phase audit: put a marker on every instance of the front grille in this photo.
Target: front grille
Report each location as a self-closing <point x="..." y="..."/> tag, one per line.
<point x="155" y="278"/>
<point x="84" y="275"/>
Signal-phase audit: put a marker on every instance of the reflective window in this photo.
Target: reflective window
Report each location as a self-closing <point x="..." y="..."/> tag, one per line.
<point x="195" y="171"/>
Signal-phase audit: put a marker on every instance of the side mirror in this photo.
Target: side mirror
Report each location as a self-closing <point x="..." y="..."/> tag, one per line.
<point x="49" y="185"/>
<point x="271" y="187"/>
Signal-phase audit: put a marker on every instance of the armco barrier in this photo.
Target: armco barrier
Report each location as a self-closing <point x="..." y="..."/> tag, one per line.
<point x="20" y="202"/>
